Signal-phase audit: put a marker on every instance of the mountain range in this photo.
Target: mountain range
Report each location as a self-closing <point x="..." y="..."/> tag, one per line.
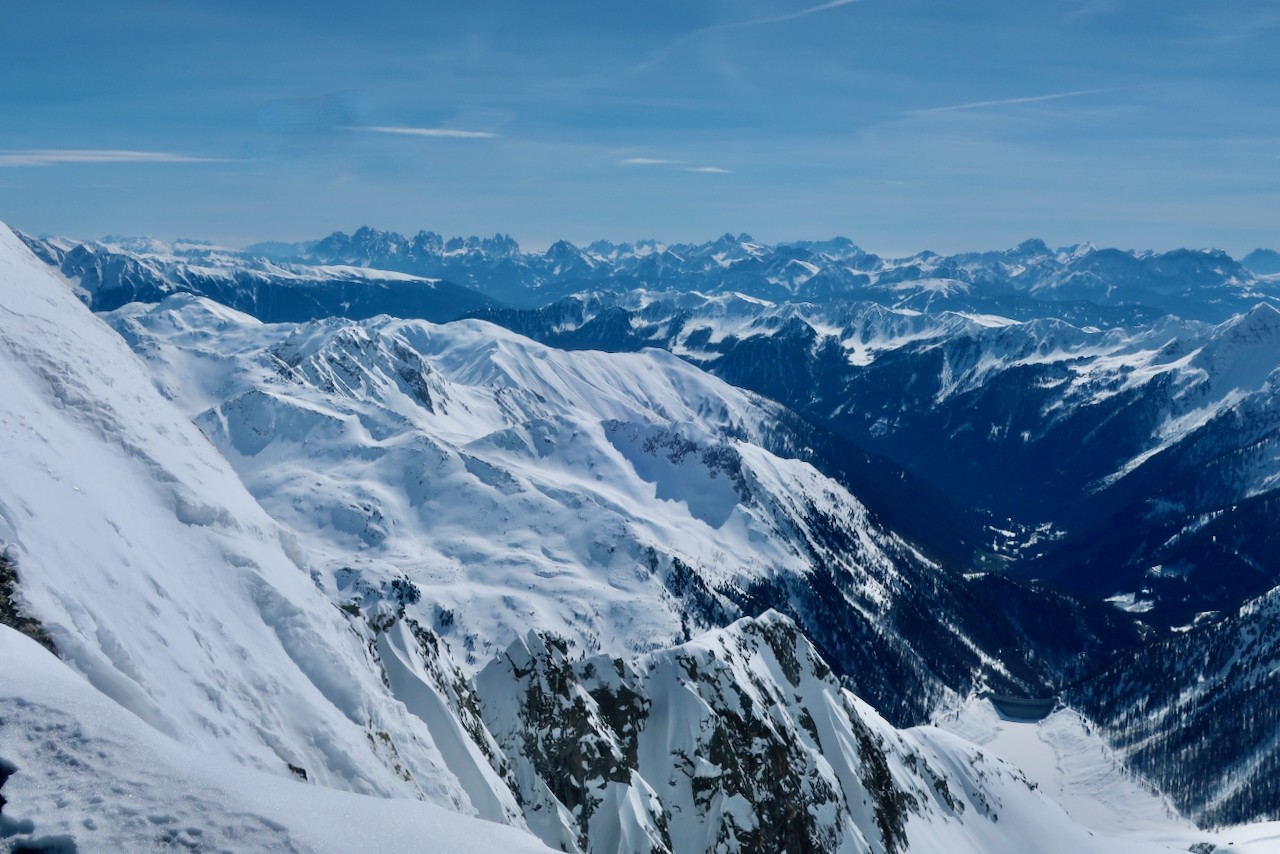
<point x="633" y="547"/>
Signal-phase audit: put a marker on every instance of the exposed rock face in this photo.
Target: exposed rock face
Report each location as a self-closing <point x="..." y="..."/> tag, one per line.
<point x="740" y="740"/>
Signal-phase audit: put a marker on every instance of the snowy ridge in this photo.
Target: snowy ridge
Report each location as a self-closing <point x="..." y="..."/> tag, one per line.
<point x="1029" y="280"/>
<point x="107" y="275"/>
<point x="161" y="580"/>
<point x="619" y="501"/>
<point x="741" y="740"/>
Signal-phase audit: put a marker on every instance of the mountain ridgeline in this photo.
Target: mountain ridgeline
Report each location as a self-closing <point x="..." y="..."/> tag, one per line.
<point x="630" y="535"/>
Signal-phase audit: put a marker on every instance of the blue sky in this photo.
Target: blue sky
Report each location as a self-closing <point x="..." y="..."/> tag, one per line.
<point x="903" y="125"/>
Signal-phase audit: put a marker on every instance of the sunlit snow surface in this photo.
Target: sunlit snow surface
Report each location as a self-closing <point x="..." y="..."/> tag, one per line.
<point x="90" y="772"/>
<point x="1069" y="762"/>
<point x="162" y="580"/>
<point x="521" y="485"/>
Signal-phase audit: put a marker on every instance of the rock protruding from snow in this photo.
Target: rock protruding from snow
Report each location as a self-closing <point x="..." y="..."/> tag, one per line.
<point x="740" y="740"/>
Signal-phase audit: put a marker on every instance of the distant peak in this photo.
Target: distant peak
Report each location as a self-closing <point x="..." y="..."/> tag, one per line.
<point x="1263" y="261"/>
<point x="561" y="247"/>
<point x="1032" y="246"/>
<point x="1263" y="320"/>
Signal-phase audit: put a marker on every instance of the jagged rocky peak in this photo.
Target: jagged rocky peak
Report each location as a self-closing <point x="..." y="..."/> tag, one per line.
<point x="359" y="362"/>
<point x="1032" y="246"/>
<point x="562" y="249"/>
<point x="739" y="740"/>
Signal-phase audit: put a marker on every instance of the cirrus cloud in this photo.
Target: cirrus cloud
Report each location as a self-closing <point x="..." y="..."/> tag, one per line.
<point x="57" y="156"/>
<point x="450" y="133"/>
<point x="649" y="161"/>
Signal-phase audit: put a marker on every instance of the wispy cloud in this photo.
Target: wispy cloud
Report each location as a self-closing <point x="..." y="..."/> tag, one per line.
<point x="56" y="156"/>
<point x="1005" y="102"/>
<point x="678" y="164"/>
<point x="661" y="54"/>
<point x="450" y="133"/>
<point x="778" y="19"/>
<point x="649" y="161"/>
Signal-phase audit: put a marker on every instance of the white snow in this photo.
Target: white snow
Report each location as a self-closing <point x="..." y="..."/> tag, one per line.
<point x="89" y="771"/>
<point x="161" y="579"/>
<point x="1069" y="762"/>
<point x="522" y="485"/>
<point x="517" y="487"/>
<point x="1131" y="603"/>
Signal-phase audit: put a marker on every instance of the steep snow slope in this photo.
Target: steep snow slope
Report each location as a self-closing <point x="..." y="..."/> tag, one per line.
<point x="80" y="773"/>
<point x="160" y="579"/>
<point x="620" y="501"/>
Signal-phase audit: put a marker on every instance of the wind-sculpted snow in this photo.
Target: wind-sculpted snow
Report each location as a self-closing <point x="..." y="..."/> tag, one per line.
<point x="80" y="774"/>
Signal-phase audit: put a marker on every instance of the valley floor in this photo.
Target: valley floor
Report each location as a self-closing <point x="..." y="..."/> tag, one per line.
<point x="1066" y="758"/>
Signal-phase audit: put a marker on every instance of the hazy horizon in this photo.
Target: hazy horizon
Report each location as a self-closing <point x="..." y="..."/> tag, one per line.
<point x="903" y="126"/>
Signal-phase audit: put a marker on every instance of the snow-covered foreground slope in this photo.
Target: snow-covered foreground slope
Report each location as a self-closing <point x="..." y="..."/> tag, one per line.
<point x="80" y="773"/>
<point x="160" y="579"/>
<point x="1071" y="762"/>
<point x="1068" y="759"/>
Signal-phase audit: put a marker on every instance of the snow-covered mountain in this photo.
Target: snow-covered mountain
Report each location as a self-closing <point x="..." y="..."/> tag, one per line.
<point x="1081" y="283"/>
<point x="117" y="271"/>
<point x="489" y="484"/>
<point x="157" y="576"/>
<point x="610" y="600"/>
<point x="132" y="548"/>
<point x="1265" y="262"/>
<point x="1153" y="439"/>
